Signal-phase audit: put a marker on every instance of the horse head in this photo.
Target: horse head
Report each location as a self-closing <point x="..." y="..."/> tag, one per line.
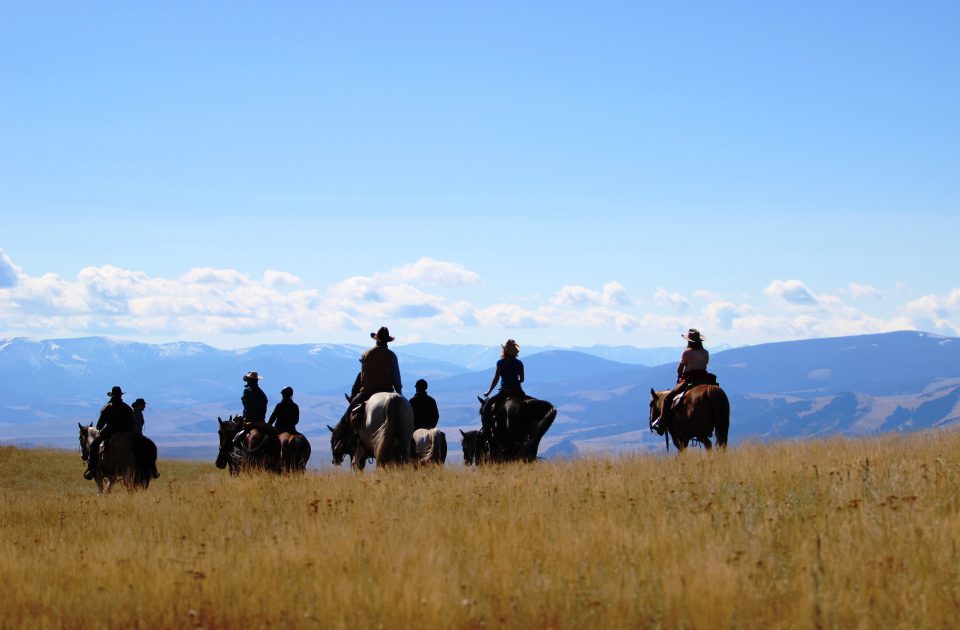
<point x="87" y="435"/>
<point x="657" y="400"/>
<point x="470" y="442"/>
<point x="342" y="439"/>
<point x="226" y="430"/>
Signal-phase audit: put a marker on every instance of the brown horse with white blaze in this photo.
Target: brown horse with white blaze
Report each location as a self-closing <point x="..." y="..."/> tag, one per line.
<point x="703" y="411"/>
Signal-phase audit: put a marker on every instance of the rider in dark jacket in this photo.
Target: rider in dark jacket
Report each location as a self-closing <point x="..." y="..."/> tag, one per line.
<point x="379" y="372"/>
<point x="510" y="375"/>
<point x="425" y="412"/>
<point x="286" y="414"/>
<point x="253" y="399"/>
<point x="115" y="417"/>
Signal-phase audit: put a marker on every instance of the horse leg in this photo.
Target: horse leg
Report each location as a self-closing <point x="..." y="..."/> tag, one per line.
<point x="707" y="444"/>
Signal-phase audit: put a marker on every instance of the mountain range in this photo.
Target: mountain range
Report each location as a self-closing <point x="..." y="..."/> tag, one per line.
<point x="901" y="381"/>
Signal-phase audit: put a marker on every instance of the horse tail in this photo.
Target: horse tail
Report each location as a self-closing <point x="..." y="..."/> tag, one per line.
<point x="391" y="448"/>
<point x="721" y="416"/>
<point x="440" y="448"/>
<point x="144" y="453"/>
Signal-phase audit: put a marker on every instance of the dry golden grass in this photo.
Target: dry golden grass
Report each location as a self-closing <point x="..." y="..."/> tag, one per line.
<point x="818" y="534"/>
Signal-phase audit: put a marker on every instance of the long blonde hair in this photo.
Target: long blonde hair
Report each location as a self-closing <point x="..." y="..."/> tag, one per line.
<point x="509" y="349"/>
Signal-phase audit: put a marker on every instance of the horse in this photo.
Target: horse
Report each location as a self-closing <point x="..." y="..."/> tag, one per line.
<point x="518" y="427"/>
<point x="476" y="448"/>
<point x="294" y="451"/>
<point x="429" y="447"/>
<point x="386" y="433"/>
<point x="703" y="411"/>
<point x="258" y="449"/>
<point x="130" y="457"/>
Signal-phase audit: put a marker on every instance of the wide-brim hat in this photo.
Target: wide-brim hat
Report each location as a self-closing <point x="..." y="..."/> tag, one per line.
<point x="693" y="335"/>
<point x="252" y="376"/>
<point x="115" y="391"/>
<point x="511" y="347"/>
<point x="382" y="335"/>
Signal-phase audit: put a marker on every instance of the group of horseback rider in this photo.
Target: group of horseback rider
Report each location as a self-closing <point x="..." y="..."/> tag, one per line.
<point x="380" y="372"/>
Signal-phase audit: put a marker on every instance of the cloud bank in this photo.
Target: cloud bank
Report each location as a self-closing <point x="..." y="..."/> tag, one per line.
<point x="429" y="299"/>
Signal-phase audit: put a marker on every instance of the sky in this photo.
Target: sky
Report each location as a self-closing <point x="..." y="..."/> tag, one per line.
<point x="563" y="173"/>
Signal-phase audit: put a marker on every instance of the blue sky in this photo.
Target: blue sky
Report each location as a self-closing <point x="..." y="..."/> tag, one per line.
<point x="562" y="173"/>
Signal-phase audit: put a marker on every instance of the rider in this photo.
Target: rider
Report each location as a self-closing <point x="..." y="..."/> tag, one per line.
<point x="425" y="412"/>
<point x="379" y="372"/>
<point x="138" y="406"/>
<point x="692" y="367"/>
<point x="510" y="373"/>
<point x="253" y="399"/>
<point x="115" y="417"/>
<point x="254" y="404"/>
<point x="286" y="414"/>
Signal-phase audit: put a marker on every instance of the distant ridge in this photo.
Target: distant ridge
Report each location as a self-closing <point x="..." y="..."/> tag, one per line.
<point x="902" y="381"/>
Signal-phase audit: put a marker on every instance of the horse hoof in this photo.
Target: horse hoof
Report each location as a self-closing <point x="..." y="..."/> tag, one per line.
<point x="88" y="475"/>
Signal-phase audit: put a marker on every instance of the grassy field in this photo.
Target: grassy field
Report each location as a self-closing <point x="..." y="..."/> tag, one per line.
<point x="796" y="535"/>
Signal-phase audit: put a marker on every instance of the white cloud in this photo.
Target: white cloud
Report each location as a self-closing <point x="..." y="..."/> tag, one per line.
<point x="612" y="294"/>
<point x="9" y="273"/>
<point x="510" y="316"/>
<point x="208" y="275"/>
<point x="276" y="279"/>
<point x="667" y="299"/>
<point x="436" y="272"/>
<point x="936" y="313"/>
<point x="862" y="292"/>
<point x="791" y="292"/>
<point x="706" y="295"/>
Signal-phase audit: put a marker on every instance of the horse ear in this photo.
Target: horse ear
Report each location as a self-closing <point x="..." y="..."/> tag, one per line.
<point x="79" y="425"/>
<point x="347" y="396"/>
<point x="331" y="428"/>
<point x="219" y="421"/>
<point x="480" y="399"/>
<point x="653" y="393"/>
<point x="462" y="433"/>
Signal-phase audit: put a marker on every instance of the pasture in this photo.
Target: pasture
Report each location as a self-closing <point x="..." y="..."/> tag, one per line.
<point x="838" y="533"/>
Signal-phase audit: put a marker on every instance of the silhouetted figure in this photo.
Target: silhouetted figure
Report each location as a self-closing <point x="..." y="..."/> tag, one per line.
<point x="286" y="414"/>
<point x="379" y="372"/>
<point x="115" y="417"/>
<point x="253" y="399"/>
<point x="510" y="374"/>
<point x="425" y="412"/>
<point x="138" y="406"/>
<point x="692" y="367"/>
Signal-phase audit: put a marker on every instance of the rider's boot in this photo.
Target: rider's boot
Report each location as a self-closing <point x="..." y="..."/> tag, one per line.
<point x="92" y="462"/>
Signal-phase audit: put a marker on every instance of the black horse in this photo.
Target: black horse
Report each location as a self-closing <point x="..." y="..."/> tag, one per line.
<point x="514" y="433"/>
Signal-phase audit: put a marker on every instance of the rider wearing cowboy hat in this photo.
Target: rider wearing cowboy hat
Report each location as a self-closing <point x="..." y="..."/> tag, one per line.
<point x="253" y="399"/>
<point x="115" y="417"/>
<point x="379" y="372"/>
<point x="692" y="366"/>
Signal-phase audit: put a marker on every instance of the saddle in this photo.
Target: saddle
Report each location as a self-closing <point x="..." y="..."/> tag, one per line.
<point x="691" y="380"/>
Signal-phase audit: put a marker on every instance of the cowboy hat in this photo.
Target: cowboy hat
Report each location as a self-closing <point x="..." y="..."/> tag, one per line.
<point x="116" y="391"/>
<point x="693" y="335"/>
<point x="252" y="376"/>
<point x="382" y="335"/>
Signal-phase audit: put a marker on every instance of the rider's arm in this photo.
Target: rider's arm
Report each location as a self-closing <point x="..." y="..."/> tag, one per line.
<point x="273" y="416"/>
<point x="397" y="385"/>
<point x="521" y="372"/>
<point x="496" y="377"/>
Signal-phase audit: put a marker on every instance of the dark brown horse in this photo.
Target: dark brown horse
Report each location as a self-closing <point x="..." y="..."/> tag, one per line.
<point x="257" y="449"/>
<point x="703" y="411"/>
<point x="294" y="451"/>
<point x="519" y="425"/>
<point x="129" y="457"/>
